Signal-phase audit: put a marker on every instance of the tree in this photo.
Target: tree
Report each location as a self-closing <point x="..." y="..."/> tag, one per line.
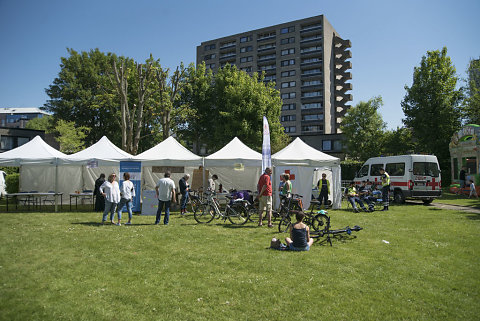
<point x="472" y="101"/>
<point x="234" y="105"/>
<point x="44" y="123"/>
<point x="71" y="138"/>
<point x="431" y="105"/>
<point x="398" y="142"/>
<point x="363" y="129"/>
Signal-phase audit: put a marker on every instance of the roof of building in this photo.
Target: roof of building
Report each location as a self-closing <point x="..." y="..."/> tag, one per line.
<point x="22" y="110"/>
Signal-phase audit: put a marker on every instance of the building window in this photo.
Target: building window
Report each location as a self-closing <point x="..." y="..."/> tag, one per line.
<point x="228" y="44"/>
<point x="210" y="47"/>
<point x="208" y="57"/>
<point x="326" y="145"/>
<point x="311" y="72"/>
<point x="288" y="51"/>
<point x="266" y="35"/>
<point x="311" y="49"/>
<point x="312" y="94"/>
<point x="311" y="38"/>
<point x="312" y="117"/>
<point x="311" y="106"/>
<point x="287" y="30"/>
<point x="246" y="39"/>
<point x="288" y="73"/>
<point x="246" y="69"/>
<point x="311" y="60"/>
<point x="311" y="27"/>
<point x="246" y="59"/>
<point x="284" y="41"/>
<point x="289" y="107"/>
<point x="288" y="118"/>
<point x="311" y="83"/>
<point x="288" y="62"/>
<point x="337" y="145"/>
<point x="290" y="129"/>
<point x="267" y="67"/>
<point x="270" y="78"/>
<point x="312" y="128"/>
<point x="288" y="95"/>
<point x="246" y="49"/>
<point x="288" y="84"/>
<point x="210" y="66"/>
<point x="266" y="57"/>
<point x="228" y="54"/>
<point x="266" y="46"/>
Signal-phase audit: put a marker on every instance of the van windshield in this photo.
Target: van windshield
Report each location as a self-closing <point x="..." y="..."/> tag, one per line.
<point x="426" y="169"/>
<point x="363" y="171"/>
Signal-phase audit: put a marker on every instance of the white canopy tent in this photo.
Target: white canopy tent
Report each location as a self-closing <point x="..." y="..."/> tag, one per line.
<point x="167" y="153"/>
<point x="105" y="158"/>
<point x="300" y="159"/>
<point x="236" y="165"/>
<point x="39" y="167"/>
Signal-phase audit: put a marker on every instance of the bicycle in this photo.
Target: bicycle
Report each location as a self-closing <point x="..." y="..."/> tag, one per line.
<point x="294" y="204"/>
<point x="194" y="201"/>
<point x="323" y="228"/>
<point x="236" y="213"/>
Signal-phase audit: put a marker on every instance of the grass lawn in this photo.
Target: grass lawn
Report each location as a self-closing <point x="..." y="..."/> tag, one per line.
<point x="65" y="266"/>
<point x="462" y="200"/>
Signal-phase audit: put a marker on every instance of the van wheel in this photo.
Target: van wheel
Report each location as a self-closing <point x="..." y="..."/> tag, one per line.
<point x="398" y="197"/>
<point x="428" y="201"/>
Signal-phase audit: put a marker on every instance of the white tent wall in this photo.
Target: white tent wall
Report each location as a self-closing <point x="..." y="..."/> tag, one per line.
<point x="301" y="184"/>
<point x="150" y="179"/>
<point x="42" y="179"/>
<point x="230" y="178"/>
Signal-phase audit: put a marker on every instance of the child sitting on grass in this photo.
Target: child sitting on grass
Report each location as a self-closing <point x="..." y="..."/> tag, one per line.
<point x="299" y="239"/>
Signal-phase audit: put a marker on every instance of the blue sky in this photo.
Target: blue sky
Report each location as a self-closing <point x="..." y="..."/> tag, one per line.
<point x="388" y="37"/>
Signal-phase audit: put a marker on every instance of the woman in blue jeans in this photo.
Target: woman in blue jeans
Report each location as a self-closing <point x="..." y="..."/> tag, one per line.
<point x="127" y="191"/>
<point x="299" y="239"/>
<point x="111" y="192"/>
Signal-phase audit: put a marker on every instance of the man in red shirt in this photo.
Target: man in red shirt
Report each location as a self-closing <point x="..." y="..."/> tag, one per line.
<point x="265" y="196"/>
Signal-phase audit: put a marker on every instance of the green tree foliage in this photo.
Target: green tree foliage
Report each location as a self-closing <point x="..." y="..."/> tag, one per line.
<point x="71" y="138"/>
<point x="363" y="129"/>
<point x="234" y="105"/>
<point x="431" y="104"/>
<point x="472" y="101"/>
<point x="398" y="142"/>
<point x="44" y="123"/>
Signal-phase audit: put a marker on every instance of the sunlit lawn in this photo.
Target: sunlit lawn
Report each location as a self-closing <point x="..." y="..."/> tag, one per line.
<point x="57" y="266"/>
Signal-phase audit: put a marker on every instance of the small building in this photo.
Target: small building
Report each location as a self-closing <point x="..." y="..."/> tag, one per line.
<point x="18" y="117"/>
<point x="465" y="152"/>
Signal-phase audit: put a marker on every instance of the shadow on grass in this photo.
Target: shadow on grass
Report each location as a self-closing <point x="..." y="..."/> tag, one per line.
<point x="109" y="224"/>
<point x="474" y="217"/>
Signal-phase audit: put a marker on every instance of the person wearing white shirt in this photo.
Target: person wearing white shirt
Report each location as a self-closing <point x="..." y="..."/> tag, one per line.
<point x="165" y="191"/>
<point x="2" y="184"/>
<point x="211" y="183"/>
<point x="111" y="192"/>
<point x="127" y="192"/>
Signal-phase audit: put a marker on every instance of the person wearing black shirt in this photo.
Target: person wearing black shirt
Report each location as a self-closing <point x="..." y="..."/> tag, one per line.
<point x="99" y="199"/>
<point x="184" y="188"/>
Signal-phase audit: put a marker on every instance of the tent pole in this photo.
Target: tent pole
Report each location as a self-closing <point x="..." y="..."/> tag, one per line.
<point x="56" y="185"/>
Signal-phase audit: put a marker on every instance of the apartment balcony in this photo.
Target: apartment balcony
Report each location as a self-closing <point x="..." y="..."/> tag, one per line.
<point x="315" y="38"/>
<point x="267" y="60"/>
<point x="311" y="29"/>
<point x="267" y="50"/>
<point x="266" y="38"/>
<point x="228" y="46"/>
<point x="317" y="72"/>
<point x="311" y="62"/>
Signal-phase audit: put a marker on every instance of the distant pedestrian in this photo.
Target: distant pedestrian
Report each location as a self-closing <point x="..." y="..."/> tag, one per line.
<point x="473" y="191"/>
<point x="127" y="192"/>
<point x="99" y="199"/>
<point x="111" y="192"/>
<point x="385" y="188"/>
<point x="165" y="191"/>
<point x="264" y="196"/>
<point x="324" y="189"/>
<point x="462" y="176"/>
<point x="184" y="190"/>
<point x="211" y="183"/>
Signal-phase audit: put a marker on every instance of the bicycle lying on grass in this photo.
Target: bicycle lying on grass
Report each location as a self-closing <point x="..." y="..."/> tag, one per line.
<point x="323" y="228"/>
<point x="236" y="213"/>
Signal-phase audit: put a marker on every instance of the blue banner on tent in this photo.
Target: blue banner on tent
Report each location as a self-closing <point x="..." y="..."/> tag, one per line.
<point x="135" y="171"/>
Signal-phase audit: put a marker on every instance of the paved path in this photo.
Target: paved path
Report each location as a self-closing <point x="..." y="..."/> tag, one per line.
<point x="475" y="210"/>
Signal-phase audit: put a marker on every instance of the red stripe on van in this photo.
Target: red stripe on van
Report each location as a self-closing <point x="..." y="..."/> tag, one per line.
<point x="399" y="183"/>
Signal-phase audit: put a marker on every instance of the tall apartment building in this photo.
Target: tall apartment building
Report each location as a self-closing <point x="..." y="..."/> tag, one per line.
<point x="307" y="59"/>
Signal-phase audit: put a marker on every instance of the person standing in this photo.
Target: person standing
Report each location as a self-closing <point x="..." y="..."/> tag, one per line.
<point x="324" y="189"/>
<point x="211" y="183"/>
<point x="99" y="199"/>
<point x="3" y="186"/>
<point x="111" y="192"/>
<point x="473" y="191"/>
<point x="165" y="191"/>
<point x="385" y="188"/>
<point x="265" y="196"/>
<point x="184" y="189"/>
<point x="287" y="186"/>
<point x="127" y="192"/>
<point x="462" y="177"/>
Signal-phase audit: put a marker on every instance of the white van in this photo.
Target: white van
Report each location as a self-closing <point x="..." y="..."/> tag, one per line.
<point x="411" y="176"/>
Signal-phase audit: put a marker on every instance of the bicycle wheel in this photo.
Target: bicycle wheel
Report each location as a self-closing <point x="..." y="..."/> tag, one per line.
<point x="320" y="222"/>
<point x="237" y="214"/>
<point x="253" y="214"/>
<point x="205" y="214"/>
<point x="195" y="205"/>
<point x="284" y="224"/>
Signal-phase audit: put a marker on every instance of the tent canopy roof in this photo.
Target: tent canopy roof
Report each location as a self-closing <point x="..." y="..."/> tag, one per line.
<point x="35" y="151"/>
<point x="299" y="153"/>
<point x="103" y="150"/>
<point x="169" y="152"/>
<point x="234" y="152"/>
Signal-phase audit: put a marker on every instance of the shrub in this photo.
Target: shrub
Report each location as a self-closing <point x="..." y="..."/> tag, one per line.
<point x="349" y="169"/>
<point x="13" y="182"/>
